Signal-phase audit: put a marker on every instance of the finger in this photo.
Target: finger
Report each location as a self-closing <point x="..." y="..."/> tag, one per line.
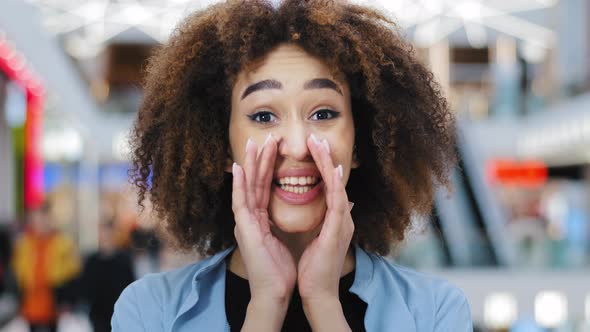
<point x="321" y="156"/>
<point x="239" y="202"/>
<point x="250" y="172"/>
<point x="265" y="172"/>
<point x="339" y="210"/>
<point x="245" y="228"/>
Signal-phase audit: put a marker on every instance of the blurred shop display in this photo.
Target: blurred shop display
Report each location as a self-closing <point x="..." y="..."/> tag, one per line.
<point x="22" y="101"/>
<point x="530" y="197"/>
<point x="532" y="183"/>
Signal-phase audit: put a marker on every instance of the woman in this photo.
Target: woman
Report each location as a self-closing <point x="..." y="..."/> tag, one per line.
<point x="260" y="126"/>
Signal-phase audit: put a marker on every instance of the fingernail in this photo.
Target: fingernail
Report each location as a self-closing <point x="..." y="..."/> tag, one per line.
<point x="350" y="206"/>
<point x="248" y="143"/>
<point x="340" y="171"/>
<point x="314" y="139"/>
<point x="268" y="138"/>
<point x="233" y="168"/>
<point x="326" y="145"/>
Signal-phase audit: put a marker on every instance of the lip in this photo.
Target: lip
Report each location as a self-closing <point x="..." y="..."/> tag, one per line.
<point x="298" y="199"/>
<point x="293" y="198"/>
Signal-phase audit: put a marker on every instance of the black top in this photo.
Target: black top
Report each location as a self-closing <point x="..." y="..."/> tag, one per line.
<point x="103" y="279"/>
<point x="237" y="297"/>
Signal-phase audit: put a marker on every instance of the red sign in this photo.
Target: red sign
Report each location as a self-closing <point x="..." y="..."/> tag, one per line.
<point x="14" y="66"/>
<point x="527" y="173"/>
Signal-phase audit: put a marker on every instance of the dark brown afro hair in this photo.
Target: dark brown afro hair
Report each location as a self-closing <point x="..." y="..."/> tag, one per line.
<point x="404" y="131"/>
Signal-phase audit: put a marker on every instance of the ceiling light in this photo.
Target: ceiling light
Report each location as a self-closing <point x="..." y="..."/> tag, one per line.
<point x="550" y="309"/>
<point x="500" y="310"/>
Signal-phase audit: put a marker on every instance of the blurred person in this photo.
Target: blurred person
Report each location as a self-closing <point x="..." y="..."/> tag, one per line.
<point x="106" y="273"/>
<point x="8" y="288"/>
<point x="343" y="112"/>
<point x="45" y="263"/>
<point x="145" y="249"/>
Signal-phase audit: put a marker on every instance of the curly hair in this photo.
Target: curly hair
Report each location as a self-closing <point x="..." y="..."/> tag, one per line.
<point x="404" y="131"/>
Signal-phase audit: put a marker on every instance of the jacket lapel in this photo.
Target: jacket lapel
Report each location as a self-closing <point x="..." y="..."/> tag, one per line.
<point x="205" y="304"/>
<point x="376" y="286"/>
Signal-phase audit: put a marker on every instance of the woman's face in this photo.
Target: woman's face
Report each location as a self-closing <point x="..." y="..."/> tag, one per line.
<point x="292" y="95"/>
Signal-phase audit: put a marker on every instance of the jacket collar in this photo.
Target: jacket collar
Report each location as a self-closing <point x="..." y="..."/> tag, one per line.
<point x="363" y="277"/>
<point x="199" y="277"/>
<point x="364" y="269"/>
<point x="211" y="263"/>
<point x="369" y="285"/>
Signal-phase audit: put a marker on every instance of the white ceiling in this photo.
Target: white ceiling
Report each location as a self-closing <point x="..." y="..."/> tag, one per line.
<point x="88" y="25"/>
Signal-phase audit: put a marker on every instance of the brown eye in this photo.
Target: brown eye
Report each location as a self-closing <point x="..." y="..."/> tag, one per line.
<point x="262" y="117"/>
<point x="324" y="114"/>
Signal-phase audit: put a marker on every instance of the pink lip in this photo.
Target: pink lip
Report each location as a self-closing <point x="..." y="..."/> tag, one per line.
<point x="293" y="198"/>
<point x="298" y="199"/>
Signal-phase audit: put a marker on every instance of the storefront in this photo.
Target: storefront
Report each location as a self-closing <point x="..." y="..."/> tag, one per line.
<point x="21" y="112"/>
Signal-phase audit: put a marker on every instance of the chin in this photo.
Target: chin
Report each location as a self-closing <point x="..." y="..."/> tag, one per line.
<point x="297" y="219"/>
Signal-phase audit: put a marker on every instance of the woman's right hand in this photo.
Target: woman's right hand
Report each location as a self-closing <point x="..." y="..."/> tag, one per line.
<point x="268" y="263"/>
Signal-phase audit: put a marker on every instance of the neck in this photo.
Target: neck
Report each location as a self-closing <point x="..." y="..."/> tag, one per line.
<point x="296" y="243"/>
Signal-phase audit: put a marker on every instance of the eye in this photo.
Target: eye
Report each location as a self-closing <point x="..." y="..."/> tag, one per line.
<point x="263" y="117"/>
<point x="324" y="114"/>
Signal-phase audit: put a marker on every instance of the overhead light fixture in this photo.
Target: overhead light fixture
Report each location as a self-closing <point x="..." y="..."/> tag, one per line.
<point x="550" y="309"/>
<point x="435" y="20"/>
<point x="500" y="310"/>
<point x="87" y="26"/>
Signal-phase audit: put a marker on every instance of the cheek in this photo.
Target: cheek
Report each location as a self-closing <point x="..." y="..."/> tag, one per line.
<point x="237" y="140"/>
<point x="341" y="144"/>
<point x="237" y="152"/>
<point x="239" y="132"/>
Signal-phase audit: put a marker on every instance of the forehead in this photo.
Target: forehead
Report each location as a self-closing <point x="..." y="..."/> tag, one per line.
<point x="286" y="63"/>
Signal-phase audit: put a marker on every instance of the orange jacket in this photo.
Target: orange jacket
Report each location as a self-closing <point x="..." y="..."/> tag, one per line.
<point x="41" y="263"/>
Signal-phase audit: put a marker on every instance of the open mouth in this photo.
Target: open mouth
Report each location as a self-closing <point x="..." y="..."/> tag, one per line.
<point x="297" y="184"/>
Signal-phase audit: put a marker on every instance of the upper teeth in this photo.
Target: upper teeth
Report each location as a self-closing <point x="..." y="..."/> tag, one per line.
<point x="302" y="180"/>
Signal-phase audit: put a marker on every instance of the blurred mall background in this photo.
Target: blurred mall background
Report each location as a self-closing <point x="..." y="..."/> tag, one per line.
<point x="514" y="234"/>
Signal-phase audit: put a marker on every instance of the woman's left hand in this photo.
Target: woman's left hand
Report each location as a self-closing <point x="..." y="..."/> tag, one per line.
<point x="322" y="262"/>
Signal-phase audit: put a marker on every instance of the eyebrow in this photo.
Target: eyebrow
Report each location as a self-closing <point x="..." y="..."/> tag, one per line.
<point x="317" y="83"/>
<point x="322" y="83"/>
<point x="262" y="85"/>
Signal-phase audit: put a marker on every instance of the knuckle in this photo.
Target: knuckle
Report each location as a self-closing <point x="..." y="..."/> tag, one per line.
<point x="351" y="228"/>
<point x="341" y="207"/>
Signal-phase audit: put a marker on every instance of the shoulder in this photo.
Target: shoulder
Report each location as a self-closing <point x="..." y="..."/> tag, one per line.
<point x="155" y="299"/>
<point x="419" y="285"/>
<point x="431" y="299"/>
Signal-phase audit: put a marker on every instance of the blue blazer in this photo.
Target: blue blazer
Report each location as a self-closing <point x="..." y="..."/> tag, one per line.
<point x="192" y="298"/>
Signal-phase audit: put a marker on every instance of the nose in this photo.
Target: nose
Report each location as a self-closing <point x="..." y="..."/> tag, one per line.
<point x="293" y="141"/>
